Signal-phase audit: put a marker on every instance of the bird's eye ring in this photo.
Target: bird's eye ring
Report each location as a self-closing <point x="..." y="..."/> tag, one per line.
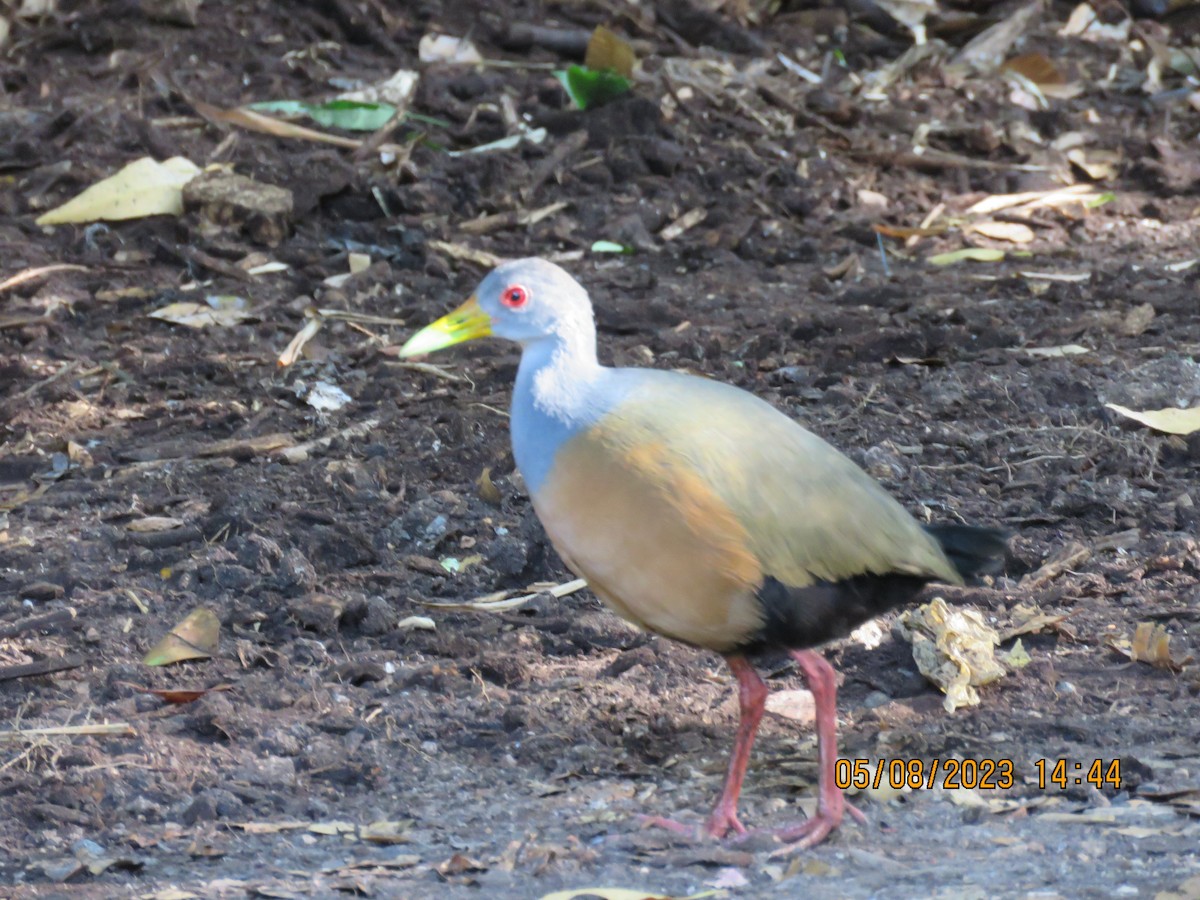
<point x="514" y="296"/>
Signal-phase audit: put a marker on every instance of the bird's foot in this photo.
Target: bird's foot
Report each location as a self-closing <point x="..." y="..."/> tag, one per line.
<point x="686" y="829"/>
<point x="799" y="836"/>
<point x="809" y="833"/>
<point x="721" y="822"/>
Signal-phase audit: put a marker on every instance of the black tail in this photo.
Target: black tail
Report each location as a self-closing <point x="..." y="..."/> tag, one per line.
<point x="971" y="550"/>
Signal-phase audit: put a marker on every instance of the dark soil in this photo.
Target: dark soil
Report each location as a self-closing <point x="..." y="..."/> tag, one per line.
<point x="513" y="750"/>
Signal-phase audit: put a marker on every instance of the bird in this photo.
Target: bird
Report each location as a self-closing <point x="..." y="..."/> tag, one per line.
<point x="698" y="511"/>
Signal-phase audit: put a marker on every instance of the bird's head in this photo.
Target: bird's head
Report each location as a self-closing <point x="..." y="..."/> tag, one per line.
<point x="525" y="300"/>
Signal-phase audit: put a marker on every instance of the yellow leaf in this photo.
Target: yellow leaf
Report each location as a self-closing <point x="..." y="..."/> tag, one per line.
<point x="145" y="187"/>
<point x="193" y="638"/>
<point x="1169" y="420"/>
<point x="978" y="254"/>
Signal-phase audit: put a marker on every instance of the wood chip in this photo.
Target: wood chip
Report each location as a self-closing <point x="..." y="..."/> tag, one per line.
<point x="689" y="219"/>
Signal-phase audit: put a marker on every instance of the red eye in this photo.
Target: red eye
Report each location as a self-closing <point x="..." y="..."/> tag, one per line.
<point x="514" y="296"/>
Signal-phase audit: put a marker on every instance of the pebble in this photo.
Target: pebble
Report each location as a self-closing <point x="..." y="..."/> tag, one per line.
<point x="876" y="699"/>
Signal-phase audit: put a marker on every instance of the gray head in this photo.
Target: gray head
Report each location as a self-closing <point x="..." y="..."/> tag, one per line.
<point x="526" y="300"/>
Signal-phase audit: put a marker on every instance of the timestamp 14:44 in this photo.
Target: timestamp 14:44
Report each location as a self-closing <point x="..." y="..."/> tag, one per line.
<point x="1099" y="773"/>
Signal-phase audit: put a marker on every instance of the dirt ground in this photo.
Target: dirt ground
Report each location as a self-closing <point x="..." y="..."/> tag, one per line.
<point x="508" y="753"/>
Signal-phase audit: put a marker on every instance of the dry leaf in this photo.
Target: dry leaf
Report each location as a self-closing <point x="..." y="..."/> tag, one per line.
<point x="689" y="219"/>
<point x="848" y="266"/>
<point x="145" y="187"/>
<point x="482" y="258"/>
<point x="1051" y="352"/>
<point x="194" y="638"/>
<point x="954" y="648"/>
<point x="488" y="492"/>
<point x="397" y="89"/>
<point x="1137" y="320"/>
<point x="269" y="827"/>
<point x="1037" y="67"/>
<point x="1098" y="165"/>
<point x="1169" y="420"/>
<point x="1152" y="643"/>
<point x="872" y="199"/>
<point x="246" y="447"/>
<point x="311" y="326"/>
<point x="444" y="48"/>
<point x="898" y="231"/>
<point x="1029" y="621"/>
<point x="1055" y="197"/>
<point x="607" y="51"/>
<point x="326" y="397"/>
<point x="331" y="828"/>
<point x="387" y="833"/>
<point x="986" y="50"/>
<point x="225" y="311"/>
<point x="154" y="524"/>
<point x="1014" y="232"/>
<point x="184" y="695"/>
<point x="459" y="863"/>
<point x="264" y="124"/>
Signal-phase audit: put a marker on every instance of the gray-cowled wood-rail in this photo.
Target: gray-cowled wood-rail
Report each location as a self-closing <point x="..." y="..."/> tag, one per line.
<point x="700" y="512"/>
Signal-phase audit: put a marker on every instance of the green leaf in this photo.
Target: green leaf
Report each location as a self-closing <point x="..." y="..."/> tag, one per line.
<point x="611" y="247"/>
<point x="349" y="115"/>
<point x="1106" y="197"/>
<point x="978" y="254"/>
<point x="592" y="87"/>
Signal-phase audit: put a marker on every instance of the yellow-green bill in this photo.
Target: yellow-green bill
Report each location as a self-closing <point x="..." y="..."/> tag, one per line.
<point x="465" y="323"/>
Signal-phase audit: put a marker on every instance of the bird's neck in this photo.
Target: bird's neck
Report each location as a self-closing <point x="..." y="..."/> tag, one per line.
<point x="558" y="372"/>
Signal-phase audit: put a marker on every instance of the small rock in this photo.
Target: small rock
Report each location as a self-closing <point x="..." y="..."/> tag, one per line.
<point x="296" y="574"/>
<point x="262" y="211"/>
<point x="359" y="672"/>
<point x="213" y="804"/>
<point x="268" y="771"/>
<point x="317" y="612"/>
<point x="40" y="591"/>
<point x="370" y="615"/>
<point x="257" y="553"/>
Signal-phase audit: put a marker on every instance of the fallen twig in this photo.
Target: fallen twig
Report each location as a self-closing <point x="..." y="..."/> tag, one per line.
<point x="42" y="622"/>
<point x="30" y="274"/>
<point x="1075" y="554"/>
<point x="426" y="369"/>
<point x="300" y="452"/>
<point x="40" y="667"/>
<point x="500" y="601"/>
<point x="99" y="729"/>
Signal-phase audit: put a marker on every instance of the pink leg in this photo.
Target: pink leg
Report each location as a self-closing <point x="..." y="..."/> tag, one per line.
<point x="822" y="682"/>
<point x="752" y="698"/>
